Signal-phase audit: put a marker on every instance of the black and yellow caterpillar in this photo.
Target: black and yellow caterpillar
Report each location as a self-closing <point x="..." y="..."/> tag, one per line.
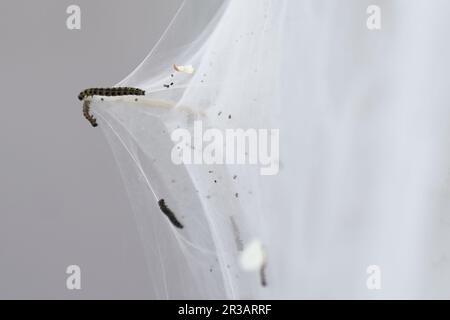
<point x="107" y="92"/>
<point x="110" y="92"/>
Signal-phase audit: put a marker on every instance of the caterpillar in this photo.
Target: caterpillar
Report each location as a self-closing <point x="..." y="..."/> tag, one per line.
<point x="262" y="274"/>
<point x="169" y="214"/>
<point x="109" y="92"/>
<point x="117" y="91"/>
<point x="237" y="235"/>
<point x="89" y="117"/>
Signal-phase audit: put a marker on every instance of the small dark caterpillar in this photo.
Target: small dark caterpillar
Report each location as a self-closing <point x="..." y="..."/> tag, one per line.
<point x="237" y="235"/>
<point x="109" y="92"/>
<point x="169" y="214"/>
<point x="87" y="115"/>
<point x="262" y="274"/>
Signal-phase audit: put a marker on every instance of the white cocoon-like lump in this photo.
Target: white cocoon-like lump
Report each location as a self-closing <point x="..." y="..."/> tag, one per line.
<point x="253" y="257"/>
<point x="186" y="69"/>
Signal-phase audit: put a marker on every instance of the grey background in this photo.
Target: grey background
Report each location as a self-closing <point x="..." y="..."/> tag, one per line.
<point x="62" y="200"/>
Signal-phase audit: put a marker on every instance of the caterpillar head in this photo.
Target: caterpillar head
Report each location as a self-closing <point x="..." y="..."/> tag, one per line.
<point x="81" y="96"/>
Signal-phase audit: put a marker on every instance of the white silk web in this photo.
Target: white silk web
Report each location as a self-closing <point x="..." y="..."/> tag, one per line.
<point x="363" y="119"/>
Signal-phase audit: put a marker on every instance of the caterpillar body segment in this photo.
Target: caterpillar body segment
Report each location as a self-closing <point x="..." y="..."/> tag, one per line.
<point x="107" y="92"/>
